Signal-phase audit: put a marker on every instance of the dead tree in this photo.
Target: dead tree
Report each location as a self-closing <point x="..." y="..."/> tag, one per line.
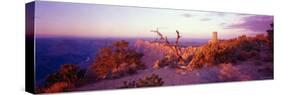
<point x="159" y="34"/>
<point x="174" y="47"/>
<point x="166" y="40"/>
<point x="178" y="37"/>
<point x="178" y="49"/>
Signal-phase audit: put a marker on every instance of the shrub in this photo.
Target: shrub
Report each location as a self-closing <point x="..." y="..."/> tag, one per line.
<point x="248" y="45"/>
<point x="243" y="55"/>
<point x="147" y="81"/>
<point x="116" y="61"/>
<point x="58" y="87"/>
<point x="62" y="80"/>
<point x="225" y="51"/>
<point x="211" y="54"/>
<point x="67" y="73"/>
<point x="53" y="78"/>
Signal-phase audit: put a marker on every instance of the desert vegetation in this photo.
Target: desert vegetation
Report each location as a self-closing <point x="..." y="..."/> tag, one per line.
<point x="147" y="81"/>
<point x="116" y="61"/>
<point x="62" y="80"/>
<point x="239" y="49"/>
<point x="169" y="59"/>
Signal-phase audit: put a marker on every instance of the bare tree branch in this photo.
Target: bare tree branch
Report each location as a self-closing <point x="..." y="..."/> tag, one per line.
<point x="174" y="47"/>
<point x="158" y="33"/>
<point x="166" y="40"/>
<point x="178" y="37"/>
<point x="177" y="48"/>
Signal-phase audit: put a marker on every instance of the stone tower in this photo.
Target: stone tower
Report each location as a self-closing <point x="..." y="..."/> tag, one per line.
<point x="215" y="37"/>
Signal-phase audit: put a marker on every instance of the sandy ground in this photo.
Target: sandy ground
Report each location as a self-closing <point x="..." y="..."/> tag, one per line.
<point x="248" y="70"/>
<point x="252" y="69"/>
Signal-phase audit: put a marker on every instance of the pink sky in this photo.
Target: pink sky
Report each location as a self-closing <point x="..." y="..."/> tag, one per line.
<point x="91" y="20"/>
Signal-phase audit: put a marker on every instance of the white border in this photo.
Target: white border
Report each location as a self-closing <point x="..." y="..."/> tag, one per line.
<point x="12" y="47"/>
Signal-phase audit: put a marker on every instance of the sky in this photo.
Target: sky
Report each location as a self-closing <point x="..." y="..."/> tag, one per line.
<point x="56" y="19"/>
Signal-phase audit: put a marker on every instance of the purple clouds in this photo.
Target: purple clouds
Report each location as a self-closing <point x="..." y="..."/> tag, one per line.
<point x="259" y="23"/>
